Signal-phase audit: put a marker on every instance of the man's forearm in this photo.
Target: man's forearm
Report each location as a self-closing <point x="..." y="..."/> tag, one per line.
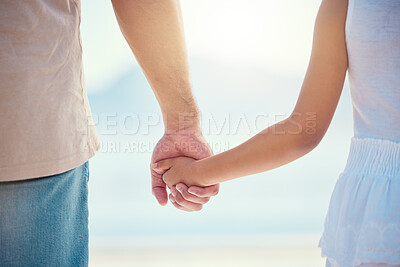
<point x="154" y="32"/>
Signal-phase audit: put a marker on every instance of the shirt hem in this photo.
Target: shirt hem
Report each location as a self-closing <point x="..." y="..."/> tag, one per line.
<point x="43" y="169"/>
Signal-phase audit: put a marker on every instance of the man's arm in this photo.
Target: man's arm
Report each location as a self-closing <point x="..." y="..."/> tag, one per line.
<point x="154" y="32"/>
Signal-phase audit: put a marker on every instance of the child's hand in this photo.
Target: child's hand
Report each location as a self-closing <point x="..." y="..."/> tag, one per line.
<point x="180" y="170"/>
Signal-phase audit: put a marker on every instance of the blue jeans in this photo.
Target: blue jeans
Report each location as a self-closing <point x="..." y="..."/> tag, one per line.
<point x="44" y="221"/>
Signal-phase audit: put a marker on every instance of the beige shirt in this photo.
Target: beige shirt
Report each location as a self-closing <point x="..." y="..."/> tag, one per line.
<point x="46" y="126"/>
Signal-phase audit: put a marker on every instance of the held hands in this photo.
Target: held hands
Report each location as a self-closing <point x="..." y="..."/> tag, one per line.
<point x="183" y="143"/>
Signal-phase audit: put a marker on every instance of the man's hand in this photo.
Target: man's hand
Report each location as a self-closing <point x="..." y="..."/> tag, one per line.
<point x="192" y="198"/>
<point x="184" y="143"/>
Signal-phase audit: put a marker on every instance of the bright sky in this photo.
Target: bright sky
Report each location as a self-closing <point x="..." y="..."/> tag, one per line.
<point x="276" y="35"/>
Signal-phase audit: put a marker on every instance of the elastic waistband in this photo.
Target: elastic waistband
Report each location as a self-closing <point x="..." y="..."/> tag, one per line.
<point x="374" y="156"/>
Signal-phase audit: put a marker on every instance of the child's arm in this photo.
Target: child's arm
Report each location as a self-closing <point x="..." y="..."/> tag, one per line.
<point x="295" y="136"/>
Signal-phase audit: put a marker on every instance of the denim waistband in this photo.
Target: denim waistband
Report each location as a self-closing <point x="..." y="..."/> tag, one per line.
<point x="369" y="156"/>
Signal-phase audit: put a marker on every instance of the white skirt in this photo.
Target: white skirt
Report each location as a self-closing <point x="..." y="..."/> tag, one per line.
<point x="362" y="225"/>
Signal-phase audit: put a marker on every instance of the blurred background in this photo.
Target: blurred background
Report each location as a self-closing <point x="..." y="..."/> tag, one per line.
<point x="247" y="60"/>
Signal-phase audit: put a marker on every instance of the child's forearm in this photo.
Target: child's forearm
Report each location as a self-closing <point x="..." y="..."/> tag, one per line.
<point x="269" y="149"/>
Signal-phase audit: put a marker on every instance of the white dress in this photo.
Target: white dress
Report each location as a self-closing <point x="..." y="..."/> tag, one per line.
<point x="362" y="225"/>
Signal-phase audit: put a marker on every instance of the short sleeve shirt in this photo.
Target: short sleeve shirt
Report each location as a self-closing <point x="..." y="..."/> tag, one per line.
<point x="46" y="125"/>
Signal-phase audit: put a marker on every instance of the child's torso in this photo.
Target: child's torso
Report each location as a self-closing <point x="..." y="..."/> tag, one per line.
<point x="373" y="47"/>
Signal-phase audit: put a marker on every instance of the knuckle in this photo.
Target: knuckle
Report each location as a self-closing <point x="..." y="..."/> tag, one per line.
<point x="198" y="208"/>
<point x="179" y="199"/>
<point x="205" y="200"/>
<point x="215" y="191"/>
<point x="186" y="195"/>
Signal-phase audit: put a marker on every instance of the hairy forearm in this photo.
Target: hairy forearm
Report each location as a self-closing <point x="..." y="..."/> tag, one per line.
<point x="273" y="147"/>
<point x="154" y="32"/>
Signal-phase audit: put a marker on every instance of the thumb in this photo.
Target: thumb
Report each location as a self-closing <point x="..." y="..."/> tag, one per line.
<point x="161" y="166"/>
